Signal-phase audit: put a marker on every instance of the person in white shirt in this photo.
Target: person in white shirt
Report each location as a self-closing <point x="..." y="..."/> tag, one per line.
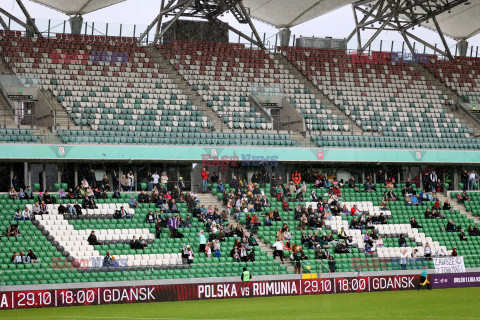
<point x="472" y="178"/>
<point x="131" y="180"/>
<point x="403" y="259"/>
<point x="164" y="178"/>
<point x="155" y="178"/>
<point x="26" y="214"/>
<point x="278" y="249"/>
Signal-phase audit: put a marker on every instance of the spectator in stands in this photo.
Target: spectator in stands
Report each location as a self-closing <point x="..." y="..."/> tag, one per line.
<point x="447" y="206"/>
<point x="451" y="227"/>
<point x="332" y="264"/>
<point x="454" y="252"/>
<point x="13" y="194"/>
<point x="107" y="260"/>
<point x="379" y="242"/>
<point x="158" y="228"/>
<point x="164" y="179"/>
<point x="131" y="180"/>
<point x="132" y="202"/>
<point x="190" y="255"/>
<point x="26" y="215"/>
<point x="367" y="239"/>
<point x="115" y="180"/>
<point x="21" y="194"/>
<point x="17" y="215"/>
<point x="297" y="258"/>
<point x="341" y="247"/>
<point x="134" y="243"/>
<point x="12" y="231"/>
<point x="205" y="176"/>
<point x="28" y="193"/>
<point x="427" y="250"/>
<point x="31" y="256"/>
<point x="85" y="184"/>
<point x="403" y="259"/>
<point x="92" y="239"/>
<point x="173" y="224"/>
<point x="464" y="179"/>
<point x="342" y="234"/>
<point x="429" y="214"/>
<point x="216" y="248"/>
<point x="125" y="183"/>
<point x="62" y="194"/>
<point x="472" y="179"/>
<point x="70" y="209"/>
<point x="16" y="258"/>
<point x="401" y="241"/>
<point x="78" y="208"/>
<point x="463" y="197"/>
<point x="462" y="236"/>
<point x="414" y="223"/>
<point x="150" y="218"/>
<point x="433" y="180"/>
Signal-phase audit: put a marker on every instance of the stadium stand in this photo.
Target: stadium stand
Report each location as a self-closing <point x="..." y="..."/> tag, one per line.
<point x="225" y="75"/>
<point x="397" y="223"/>
<point x="461" y="75"/>
<point x="382" y="96"/>
<point x="124" y="100"/>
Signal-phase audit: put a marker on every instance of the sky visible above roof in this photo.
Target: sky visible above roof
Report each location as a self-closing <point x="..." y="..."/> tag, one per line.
<point x="337" y="22"/>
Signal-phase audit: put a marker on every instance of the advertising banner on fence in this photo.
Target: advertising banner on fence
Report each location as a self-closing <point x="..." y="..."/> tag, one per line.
<point x="449" y="265"/>
<point x="202" y="291"/>
<point x="459" y="280"/>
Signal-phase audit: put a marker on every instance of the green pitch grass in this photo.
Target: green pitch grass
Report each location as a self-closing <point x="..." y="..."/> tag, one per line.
<point x="434" y="304"/>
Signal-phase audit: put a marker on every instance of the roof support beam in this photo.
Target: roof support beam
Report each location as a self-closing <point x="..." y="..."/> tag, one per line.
<point x="175" y="18"/>
<point x="208" y="10"/>
<point x="249" y="21"/>
<point x="243" y="35"/>
<point x="4" y="25"/>
<point x="29" y="19"/>
<point x="168" y="8"/>
<point x="20" y="22"/>
<point x="401" y="16"/>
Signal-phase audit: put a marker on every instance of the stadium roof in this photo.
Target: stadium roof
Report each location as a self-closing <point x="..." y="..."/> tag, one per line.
<point x="461" y="23"/>
<point x="288" y="13"/>
<point x="77" y="7"/>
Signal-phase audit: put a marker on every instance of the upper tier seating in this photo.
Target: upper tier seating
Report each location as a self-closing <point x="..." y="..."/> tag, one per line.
<point x="122" y="97"/>
<point x="225" y="75"/>
<point x="382" y="96"/>
<point x="461" y="75"/>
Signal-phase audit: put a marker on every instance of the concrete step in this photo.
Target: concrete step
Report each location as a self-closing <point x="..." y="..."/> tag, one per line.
<point x="457" y="206"/>
<point x="319" y="96"/>
<point x="186" y="88"/>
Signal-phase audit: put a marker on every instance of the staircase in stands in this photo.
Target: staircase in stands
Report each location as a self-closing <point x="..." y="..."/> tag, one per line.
<point x="319" y="96"/>
<point x="186" y="88"/>
<point x="208" y="199"/>
<point x="457" y="205"/>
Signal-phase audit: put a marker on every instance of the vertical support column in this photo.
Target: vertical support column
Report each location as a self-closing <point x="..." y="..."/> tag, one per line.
<point x="25" y="173"/>
<point x="135" y="180"/>
<point x="44" y="178"/>
<point x="11" y="174"/>
<point x="76" y="174"/>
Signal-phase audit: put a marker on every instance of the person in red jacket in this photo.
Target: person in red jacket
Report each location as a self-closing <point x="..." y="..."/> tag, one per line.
<point x="205" y="176"/>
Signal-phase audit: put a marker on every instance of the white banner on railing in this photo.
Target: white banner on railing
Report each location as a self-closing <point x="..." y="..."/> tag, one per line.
<point x="449" y="265"/>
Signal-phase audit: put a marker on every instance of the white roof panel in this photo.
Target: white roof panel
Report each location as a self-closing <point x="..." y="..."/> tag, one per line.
<point x="462" y="22"/>
<point x="289" y="13"/>
<point x="74" y="7"/>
